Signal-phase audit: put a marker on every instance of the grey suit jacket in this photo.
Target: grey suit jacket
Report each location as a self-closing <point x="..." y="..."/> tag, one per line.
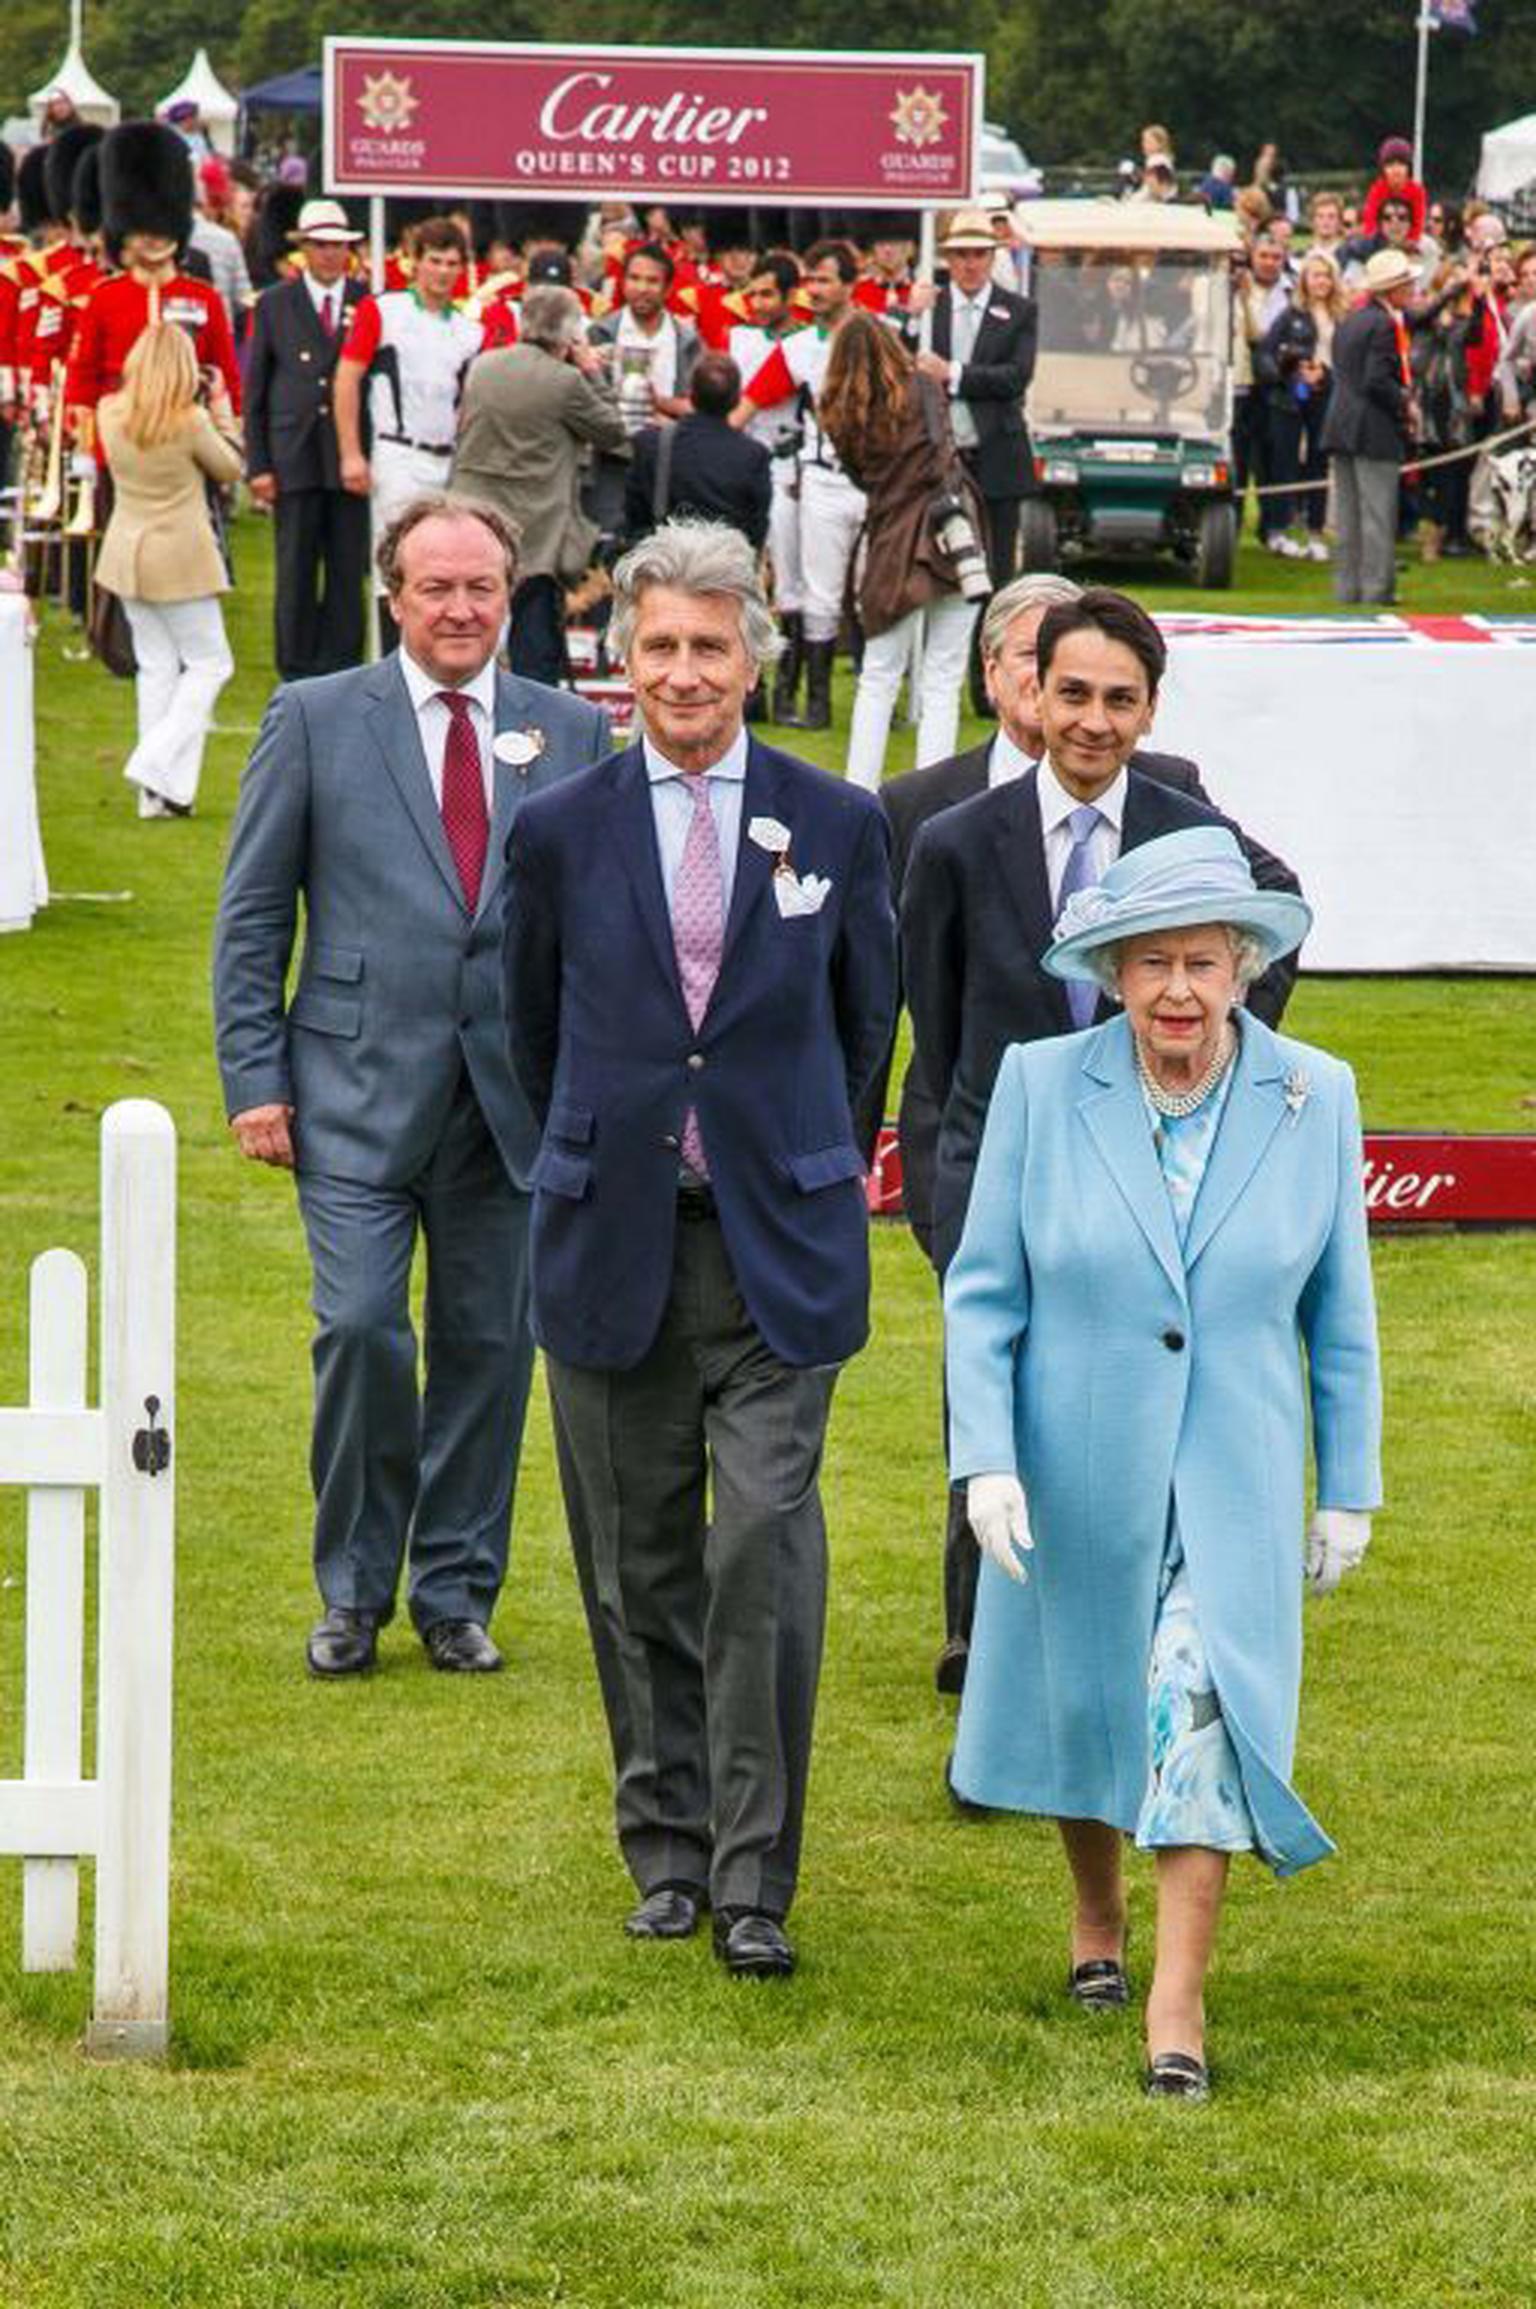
<point x="399" y="988"/>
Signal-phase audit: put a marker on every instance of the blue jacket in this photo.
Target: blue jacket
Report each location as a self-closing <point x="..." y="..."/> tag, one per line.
<point x="400" y="988"/>
<point x="1118" y="1376"/>
<point x="798" y="1023"/>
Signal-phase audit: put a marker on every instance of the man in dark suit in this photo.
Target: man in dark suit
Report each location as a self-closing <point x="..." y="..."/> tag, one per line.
<point x="703" y="465"/>
<point x="292" y="461"/>
<point x="976" y="917"/>
<point x="1369" y="428"/>
<point x="983" y="353"/>
<point x="384" y="796"/>
<point x="702" y="949"/>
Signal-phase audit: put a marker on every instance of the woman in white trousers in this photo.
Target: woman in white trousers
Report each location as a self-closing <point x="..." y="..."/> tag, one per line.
<point x="161" y="557"/>
<point x="891" y="429"/>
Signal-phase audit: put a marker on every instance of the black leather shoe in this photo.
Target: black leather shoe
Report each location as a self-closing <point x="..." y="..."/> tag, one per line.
<point x="461" y="1648"/>
<point x="346" y="1643"/>
<point x="753" y="1946"/>
<point x="1177" y="2076"/>
<point x="949" y="1668"/>
<point x="671" y="1912"/>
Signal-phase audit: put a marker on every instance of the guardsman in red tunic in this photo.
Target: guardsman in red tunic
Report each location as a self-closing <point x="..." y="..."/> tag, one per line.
<point x="146" y="184"/>
<point x="886" y="286"/>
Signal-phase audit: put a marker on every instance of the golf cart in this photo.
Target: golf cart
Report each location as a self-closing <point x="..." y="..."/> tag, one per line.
<point x="1130" y="409"/>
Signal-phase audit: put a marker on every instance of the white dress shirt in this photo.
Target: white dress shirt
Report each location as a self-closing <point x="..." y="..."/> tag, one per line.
<point x="966" y="315"/>
<point x="335" y="296"/>
<point x="1056" y="807"/>
<point x="1006" y="761"/>
<point x="672" y="793"/>
<point x="433" y="717"/>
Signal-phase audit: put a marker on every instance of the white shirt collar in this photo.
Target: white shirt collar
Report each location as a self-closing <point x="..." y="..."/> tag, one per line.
<point x="732" y="763"/>
<point x="1006" y="761"/>
<point x="422" y="688"/>
<point x="1056" y="804"/>
<point x="319" y="293"/>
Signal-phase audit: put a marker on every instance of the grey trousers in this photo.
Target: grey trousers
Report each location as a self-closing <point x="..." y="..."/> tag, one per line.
<point x="1365" y="510"/>
<point x="393" y="1468"/>
<point x="706" y="1615"/>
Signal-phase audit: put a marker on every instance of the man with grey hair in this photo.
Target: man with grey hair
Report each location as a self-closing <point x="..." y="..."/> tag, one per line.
<point x="1016" y="751"/>
<point x="701" y="942"/>
<point x="383" y="796"/>
<point x="530" y="414"/>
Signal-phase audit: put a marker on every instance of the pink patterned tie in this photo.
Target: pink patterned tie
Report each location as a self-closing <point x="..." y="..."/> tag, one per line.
<point x="698" y="931"/>
<point x="466" y="821"/>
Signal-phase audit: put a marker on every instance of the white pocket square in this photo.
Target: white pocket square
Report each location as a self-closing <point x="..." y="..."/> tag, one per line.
<point x="802" y="894"/>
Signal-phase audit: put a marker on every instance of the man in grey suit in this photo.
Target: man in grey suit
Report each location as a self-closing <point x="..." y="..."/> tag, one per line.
<point x="386" y="795"/>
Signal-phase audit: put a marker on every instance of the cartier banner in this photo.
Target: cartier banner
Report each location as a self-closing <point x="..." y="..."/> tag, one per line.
<point x="1412" y="1178"/>
<point x="499" y="119"/>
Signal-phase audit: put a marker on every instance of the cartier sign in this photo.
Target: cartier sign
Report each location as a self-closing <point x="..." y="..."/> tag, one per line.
<point x="501" y="119"/>
<point x="1411" y="1179"/>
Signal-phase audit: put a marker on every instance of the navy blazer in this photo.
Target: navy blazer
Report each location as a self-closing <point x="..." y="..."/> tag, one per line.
<point x="602" y="1045"/>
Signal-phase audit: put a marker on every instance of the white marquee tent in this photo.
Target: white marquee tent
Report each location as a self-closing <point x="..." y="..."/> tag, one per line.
<point x="220" y="110"/>
<point x="90" y="99"/>
<point x="1508" y="162"/>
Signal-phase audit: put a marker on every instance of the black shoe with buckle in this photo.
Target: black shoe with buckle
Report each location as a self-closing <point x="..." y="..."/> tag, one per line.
<point x="1099" y="1984"/>
<point x="751" y="1945"/>
<point x="461" y="1648"/>
<point x="346" y="1643"/>
<point x="1177" y="2076"/>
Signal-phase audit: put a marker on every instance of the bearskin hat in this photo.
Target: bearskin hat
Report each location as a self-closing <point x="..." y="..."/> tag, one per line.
<point x="31" y="189"/>
<point x="277" y="213"/>
<point x="85" y="192"/>
<point x="61" y="169"/>
<point x="146" y="184"/>
<point x="7" y="174"/>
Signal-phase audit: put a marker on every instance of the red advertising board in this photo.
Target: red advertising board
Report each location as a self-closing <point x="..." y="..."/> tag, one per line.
<point x="720" y="125"/>
<point x="1412" y="1178"/>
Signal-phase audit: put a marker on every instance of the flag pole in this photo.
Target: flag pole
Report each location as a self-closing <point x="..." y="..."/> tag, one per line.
<point x="1426" y="25"/>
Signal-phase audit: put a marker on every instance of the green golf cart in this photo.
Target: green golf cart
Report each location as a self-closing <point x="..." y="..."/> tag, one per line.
<point x="1130" y="408"/>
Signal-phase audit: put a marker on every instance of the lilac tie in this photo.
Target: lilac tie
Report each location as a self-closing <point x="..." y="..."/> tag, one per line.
<point x="698" y="931"/>
<point x="1082" y="999"/>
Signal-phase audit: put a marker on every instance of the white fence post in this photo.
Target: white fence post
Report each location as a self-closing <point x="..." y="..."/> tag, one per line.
<point x="138" y="1397"/>
<point x="55" y="1608"/>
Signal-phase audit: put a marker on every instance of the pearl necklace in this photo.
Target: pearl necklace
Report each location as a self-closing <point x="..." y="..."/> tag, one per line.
<point x="1176" y="1104"/>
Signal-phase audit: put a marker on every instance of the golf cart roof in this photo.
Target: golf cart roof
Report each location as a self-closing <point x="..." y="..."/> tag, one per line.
<point x="1124" y="224"/>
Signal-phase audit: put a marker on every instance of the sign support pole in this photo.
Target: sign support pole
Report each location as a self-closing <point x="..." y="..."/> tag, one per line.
<point x="371" y="636"/>
<point x="1426" y="25"/>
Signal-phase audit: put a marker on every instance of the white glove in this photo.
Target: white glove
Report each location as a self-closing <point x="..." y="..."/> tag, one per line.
<point x="997" y="1514"/>
<point x="1336" y="1541"/>
<point x="82" y="465"/>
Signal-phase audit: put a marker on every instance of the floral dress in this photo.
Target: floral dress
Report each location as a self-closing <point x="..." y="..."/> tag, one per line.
<point x="1194" y="1793"/>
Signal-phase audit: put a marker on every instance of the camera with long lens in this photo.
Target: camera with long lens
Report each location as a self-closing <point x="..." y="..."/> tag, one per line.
<point x="955" y="535"/>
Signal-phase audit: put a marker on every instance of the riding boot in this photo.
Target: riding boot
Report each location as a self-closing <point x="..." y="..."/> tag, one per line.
<point x="786" y="674"/>
<point x="818" y="686"/>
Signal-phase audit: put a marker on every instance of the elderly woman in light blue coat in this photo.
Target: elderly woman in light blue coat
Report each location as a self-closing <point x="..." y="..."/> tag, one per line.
<point x="1167" y="1212"/>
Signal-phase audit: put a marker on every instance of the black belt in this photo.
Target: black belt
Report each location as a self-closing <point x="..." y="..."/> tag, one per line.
<point x="431" y="448"/>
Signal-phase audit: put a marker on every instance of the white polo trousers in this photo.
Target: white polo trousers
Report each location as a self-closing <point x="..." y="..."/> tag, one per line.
<point x="831" y="516"/>
<point x="184" y="661"/>
<point x="944" y="628"/>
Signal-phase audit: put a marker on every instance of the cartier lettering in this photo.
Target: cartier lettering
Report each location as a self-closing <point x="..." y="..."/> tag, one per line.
<point x="678" y="119"/>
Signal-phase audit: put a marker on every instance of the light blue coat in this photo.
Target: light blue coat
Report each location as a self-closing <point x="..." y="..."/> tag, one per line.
<point x="1114" y="1374"/>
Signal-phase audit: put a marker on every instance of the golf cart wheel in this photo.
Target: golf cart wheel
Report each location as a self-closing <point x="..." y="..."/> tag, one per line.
<point x="1216" y="545"/>
<point x="1037" y="533"/>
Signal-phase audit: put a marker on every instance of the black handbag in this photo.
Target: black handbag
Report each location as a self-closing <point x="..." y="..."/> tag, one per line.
<point x="110" y="635"/>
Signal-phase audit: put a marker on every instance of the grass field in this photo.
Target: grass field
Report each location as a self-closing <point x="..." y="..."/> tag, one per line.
<point x="414" y="2063"/>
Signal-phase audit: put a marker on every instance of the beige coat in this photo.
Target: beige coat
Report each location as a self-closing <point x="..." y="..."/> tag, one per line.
<point x="159" y="544"/>
<point x="526" y="419"/>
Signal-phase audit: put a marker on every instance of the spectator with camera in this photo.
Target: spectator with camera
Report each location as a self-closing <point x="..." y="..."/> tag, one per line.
<point x="924" y="569"/>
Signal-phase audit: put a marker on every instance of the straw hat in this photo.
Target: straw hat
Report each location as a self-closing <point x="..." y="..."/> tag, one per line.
<point x="323" y="220"/>
<point x="1197" y="876"/>
<point x="1390" y="269"/>
<point x="969" y="228"/>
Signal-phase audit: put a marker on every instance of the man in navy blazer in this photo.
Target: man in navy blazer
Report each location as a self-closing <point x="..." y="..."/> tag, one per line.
<point x="701" y="977"/>
<point x="384" y="796"/>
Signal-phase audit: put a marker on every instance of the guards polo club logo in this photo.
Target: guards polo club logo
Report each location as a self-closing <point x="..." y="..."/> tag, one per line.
<point x="387" y="104"/>
<point x="918" y="117"/>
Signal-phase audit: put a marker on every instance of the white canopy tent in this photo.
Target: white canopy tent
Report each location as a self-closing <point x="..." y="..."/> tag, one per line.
<point x="89" y="98"/>
<point x="1508" y="162"/>
<point x="218" y="107"/>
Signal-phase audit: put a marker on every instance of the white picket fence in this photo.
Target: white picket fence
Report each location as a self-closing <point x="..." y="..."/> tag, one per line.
<point x="58" y="1449"/>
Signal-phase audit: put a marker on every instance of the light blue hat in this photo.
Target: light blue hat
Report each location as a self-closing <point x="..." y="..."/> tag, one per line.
<point x="1199" y="875"/>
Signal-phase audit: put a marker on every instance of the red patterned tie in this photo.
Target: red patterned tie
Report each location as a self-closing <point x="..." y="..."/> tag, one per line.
<point x="466" y="821"/>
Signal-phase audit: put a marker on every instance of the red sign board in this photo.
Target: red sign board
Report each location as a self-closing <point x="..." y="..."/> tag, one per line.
<point x="1412" y="1178"/>
<point x="718" y="125"/>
